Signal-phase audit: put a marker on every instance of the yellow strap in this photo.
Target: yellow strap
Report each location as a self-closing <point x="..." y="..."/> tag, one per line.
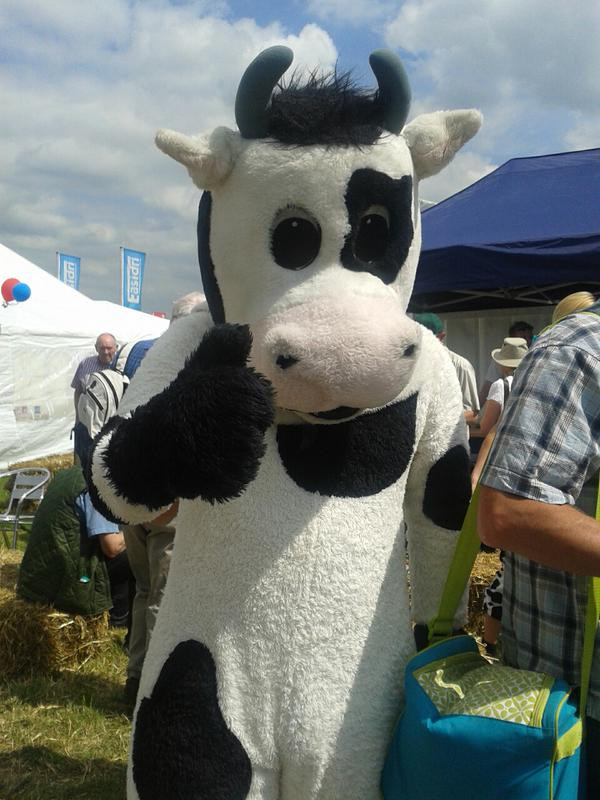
<point x="589" y="632"/>
<point x="568" y="743"/>
<point x="463" y="559"/>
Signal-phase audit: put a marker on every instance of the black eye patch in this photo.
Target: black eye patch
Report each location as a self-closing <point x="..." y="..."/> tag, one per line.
<point x="379" y="212"/>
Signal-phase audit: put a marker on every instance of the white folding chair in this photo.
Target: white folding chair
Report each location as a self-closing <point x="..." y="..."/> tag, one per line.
<point x="29" y="484"/>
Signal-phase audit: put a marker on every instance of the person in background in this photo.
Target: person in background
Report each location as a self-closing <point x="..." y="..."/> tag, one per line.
<point x="518" y="330"/>
<point x="578" y="301"/>
<point x="507" y="358"/>
<point x="75" y="559"/>
<point x="150" y="545"/>
<point x="521" y="330"/>
<point x="464" y="368"/>
<point x="106" y="347"/>
<point x="192" y="302"/>
<point x="492" y="602"/>
<point x="546" y="447"/>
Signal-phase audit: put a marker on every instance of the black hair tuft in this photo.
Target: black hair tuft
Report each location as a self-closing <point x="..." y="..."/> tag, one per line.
<point x="326" y="109"/>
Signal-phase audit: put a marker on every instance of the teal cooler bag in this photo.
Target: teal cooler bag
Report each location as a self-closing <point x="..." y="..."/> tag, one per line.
<point x="475" y="730"/>
<point x="472" y="730"/>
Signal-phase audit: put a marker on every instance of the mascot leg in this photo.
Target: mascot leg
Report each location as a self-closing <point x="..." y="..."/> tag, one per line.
<point x="182" y="748"/>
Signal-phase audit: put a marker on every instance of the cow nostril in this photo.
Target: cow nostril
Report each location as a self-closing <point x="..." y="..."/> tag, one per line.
<point x="285" y="362"/>
<point x="410" y="351"/>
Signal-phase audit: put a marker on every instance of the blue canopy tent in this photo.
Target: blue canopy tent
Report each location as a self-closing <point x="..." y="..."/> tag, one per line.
<point x="526" y="234"/>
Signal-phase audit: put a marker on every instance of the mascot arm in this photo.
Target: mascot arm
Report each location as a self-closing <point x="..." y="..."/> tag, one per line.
<point x="437" y="495"/>
<point x="192" y="426"/>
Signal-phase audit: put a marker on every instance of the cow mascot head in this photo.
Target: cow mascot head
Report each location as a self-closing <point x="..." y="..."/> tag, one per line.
<point x="314" y="437"/>
<point x="309" y="228"/>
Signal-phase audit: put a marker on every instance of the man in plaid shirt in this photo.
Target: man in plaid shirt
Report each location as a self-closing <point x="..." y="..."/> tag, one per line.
<point x="547" y="446"/>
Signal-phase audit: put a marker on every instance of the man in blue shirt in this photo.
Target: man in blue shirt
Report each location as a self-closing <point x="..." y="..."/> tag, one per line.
<point x="75" y="559"/>
<point x="112" y="546"/>
<point x="547" y="446"/>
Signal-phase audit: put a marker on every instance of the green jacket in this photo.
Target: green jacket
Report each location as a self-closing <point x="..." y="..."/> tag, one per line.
<point x="59" y="553"/>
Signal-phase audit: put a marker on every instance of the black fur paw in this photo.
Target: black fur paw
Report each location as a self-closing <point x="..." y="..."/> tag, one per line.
<point x="223" y="345"/>
<point x="203" y="436"/>
<point x="97" y="500"/>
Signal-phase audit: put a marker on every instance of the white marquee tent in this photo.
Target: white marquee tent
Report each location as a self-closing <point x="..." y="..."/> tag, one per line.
<point x="41" y="342"/>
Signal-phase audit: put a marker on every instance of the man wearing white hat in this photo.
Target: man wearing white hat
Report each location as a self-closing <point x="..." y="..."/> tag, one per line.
<point x="507" y="358"/>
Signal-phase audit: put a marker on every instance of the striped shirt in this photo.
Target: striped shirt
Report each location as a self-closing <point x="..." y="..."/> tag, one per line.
<point x="547" y="446"/>
<point x="85" y="368"/>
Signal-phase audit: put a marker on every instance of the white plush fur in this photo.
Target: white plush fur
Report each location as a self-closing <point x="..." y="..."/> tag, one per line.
<point x="434" y="139"/>
<point x="302" y="599"/>
<point x="209" y="158"/>
<point x="344" y="360"/>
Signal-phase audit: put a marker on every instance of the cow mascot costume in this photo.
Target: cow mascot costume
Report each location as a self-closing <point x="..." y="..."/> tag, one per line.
<point x="314" y="435"/>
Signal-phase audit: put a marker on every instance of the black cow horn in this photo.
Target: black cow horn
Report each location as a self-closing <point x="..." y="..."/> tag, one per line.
<point x="394" y="88"/>
<point x="256" y="86"/>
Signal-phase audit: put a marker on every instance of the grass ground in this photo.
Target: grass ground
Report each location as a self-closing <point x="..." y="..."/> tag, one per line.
<point x="67" y="736"/>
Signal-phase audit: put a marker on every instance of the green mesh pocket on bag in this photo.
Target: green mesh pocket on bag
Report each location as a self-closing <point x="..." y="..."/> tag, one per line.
<point x="467" y="684"/>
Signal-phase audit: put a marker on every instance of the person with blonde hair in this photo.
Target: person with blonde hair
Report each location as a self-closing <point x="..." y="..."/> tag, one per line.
<point x="578" y="301"/>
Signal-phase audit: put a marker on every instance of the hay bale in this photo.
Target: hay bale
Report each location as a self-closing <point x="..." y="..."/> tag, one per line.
<point x="484" y="569"/>
<point x="38" y="640"/>
<point x="9" y="568"/>
<point x="52" y="463"/>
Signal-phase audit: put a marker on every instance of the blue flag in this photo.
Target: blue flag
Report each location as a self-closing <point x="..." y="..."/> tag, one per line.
<point x="69" y="268"/>
<point x="132" y="274"/>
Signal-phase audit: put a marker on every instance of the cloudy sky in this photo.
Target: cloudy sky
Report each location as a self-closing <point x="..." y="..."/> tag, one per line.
<point x="84" y="86"/>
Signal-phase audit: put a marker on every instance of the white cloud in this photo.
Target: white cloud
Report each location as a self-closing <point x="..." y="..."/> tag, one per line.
<point x="354" y="12"/>
<point x="465" y="169"/>
<point x="70" y="23"/>
<point x="84" y="88"/>
<point x="531" y="67"/>
<point x="585" y="132"/>
<point x="490" y="51"/>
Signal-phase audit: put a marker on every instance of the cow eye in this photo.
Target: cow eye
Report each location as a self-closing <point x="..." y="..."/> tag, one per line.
<point x="295" y="238"/>
<point x="372" y="235"/>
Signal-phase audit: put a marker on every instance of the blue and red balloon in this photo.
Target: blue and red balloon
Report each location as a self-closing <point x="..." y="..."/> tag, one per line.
<point x="14" y="289"/>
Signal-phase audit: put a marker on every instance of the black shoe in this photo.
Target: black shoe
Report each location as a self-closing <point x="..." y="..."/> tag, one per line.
<point x="130" y="694"/>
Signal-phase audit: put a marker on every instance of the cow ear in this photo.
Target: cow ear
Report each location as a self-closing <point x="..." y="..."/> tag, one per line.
<point x="209" y="158"/>
<point x="434" y="139"/>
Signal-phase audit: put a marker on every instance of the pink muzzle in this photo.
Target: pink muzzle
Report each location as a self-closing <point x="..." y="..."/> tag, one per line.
<point x="357" y="352"/>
